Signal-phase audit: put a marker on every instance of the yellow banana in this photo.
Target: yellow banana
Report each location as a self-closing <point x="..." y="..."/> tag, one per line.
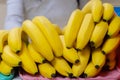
<point x="73" y="27"/>
<point x="5" y="68"/>
<point x="62" y="67"/>
<point x="71" y="54"/>
<point x="111" y="56"/>
<point x="28" y="63"/>
<point x="47" y="70"/>
<point x="108" y="11"/>
<point x="114" y="26"/>
<point x="40" y="41"/>
<point x="84" y="56"/>
<point x="57" y="28"/>
<point x="36" y="56"/>
<point x="50" y="34"/>
<point x="10" y="57"/>
<point x="97" y="10"/>
<point x="3" y="39"/>
<point x="14" y="39"/>
<point x="87" y="7"/>
<point x="111" y="44"/>
<point x="98" y="58"/>
<point x="98" y="34"/>
<point x="85" y="32"/>
<point x="90" y="70"/>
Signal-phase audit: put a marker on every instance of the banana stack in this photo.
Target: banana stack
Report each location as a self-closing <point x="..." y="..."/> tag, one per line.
<point x="83" y="48"/>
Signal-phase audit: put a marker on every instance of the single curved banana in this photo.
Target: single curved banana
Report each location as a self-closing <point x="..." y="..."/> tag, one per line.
<point x="84" y="56"/>
<point x="47" y="70"/>
<point x="72" y="27"/>
<point x="36" y="56"/>
<point x="111" y="44"/>
<point x="14" y="39"/>
<point x="91" y="71"/>
<point x="3" y="39"/>
<point x="111" y="56"/>
<point x="98" y="34"/>
<point x="50" y="34"/>
<point x="98" y="58"/>
<point x="114" y="26"/>
<point x="57" y="28"/>
<point x="71" y="54"/>
<point x="87" y="7"/>
<point x="62" y="67"/>
<point x="85" y="31"/>
<point x="5" y="68"/>
<point x="28" y="63"/>
<point x="40" y="41"/>
<point x="108" y="11"/>
<point x="10" y="57"/>
<point x="97" y="10"/>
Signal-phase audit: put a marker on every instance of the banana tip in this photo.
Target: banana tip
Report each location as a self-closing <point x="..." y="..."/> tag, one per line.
<point x="97" y="66"/>
<point x="77" y="61"/>
<point x="70" y="75"/>
<point x="77" y="49"/>
<point x="84" y="75"/>
<point x="53" y="75"/>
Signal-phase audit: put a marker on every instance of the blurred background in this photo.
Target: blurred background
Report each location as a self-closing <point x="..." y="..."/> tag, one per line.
<point x="3" y="9"/>
<point x="2" y="12"/>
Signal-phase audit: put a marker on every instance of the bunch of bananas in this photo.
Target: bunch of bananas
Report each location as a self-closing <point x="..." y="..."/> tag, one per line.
<point x="84" y="47"/>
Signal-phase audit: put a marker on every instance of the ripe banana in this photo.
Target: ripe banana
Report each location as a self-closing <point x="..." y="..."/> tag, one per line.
<point x="108" y="11"/>
<point x="73" y="27"/>
<point x="47" y="70"/>
<point x="5" y="69"/>
<point x="28" y="63"/>
<point x="71" y="54"/>
<point x="98" y="34"/>
<point x="36" y="56"/>
<point x="97" y="10"/>
<point x="57" y="28"/>
<point x="90" y="70"/>
<point x="40" y="41"/>
<point x="98" y="58"/>
<point x="3" y="39"/>
<point x="14" y="39"/>
<point x="10" y="57"/>
<point x="85" y="31"/>
<point x="87" y="7"/>
<point x="84" y="57"/>
<point x="47" y="28"/>
<point x="62" y="67"/>
<point x="114" y="26"/>
<point x="111" y="44"/>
